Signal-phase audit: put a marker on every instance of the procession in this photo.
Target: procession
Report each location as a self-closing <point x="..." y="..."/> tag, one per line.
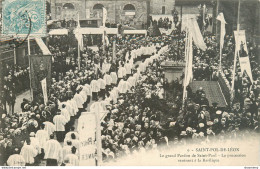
<point x="90" y="96"/>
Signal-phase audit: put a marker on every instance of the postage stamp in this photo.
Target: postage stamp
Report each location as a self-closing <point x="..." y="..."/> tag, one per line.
<point x="23" y="17"/>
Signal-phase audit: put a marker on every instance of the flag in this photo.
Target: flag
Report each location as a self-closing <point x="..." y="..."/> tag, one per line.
<point x="203" y="14"/>
<point x="44" y="90"/>
<point x="189" y="59"/>
<point x="104" y="16"/>
<point x="105" y="38"/>
<point x="86" y="132"/>
<point x="40" y="68"/>
<point x="242" y="53"/>
<point x="79" y="36"/>
<point x="190" y="24"/>
<point x="221" y="18"/>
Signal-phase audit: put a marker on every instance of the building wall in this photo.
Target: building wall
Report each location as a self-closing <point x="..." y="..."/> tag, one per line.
<point x="58" y="12"/>
<point x="156" y="6"/>
<point x="115" y="12"/>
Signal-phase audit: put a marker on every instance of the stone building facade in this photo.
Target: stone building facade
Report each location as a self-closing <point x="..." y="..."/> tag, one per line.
<point x="162" y="7"/>
<point x="134" y="12"/>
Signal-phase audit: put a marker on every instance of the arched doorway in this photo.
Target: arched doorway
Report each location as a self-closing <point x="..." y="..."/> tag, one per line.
<point x="68" y="6"/>
<point x="129" y="12"/>
<point x="69" y="11"/>
<point x="98" y="10"/>
<point x="129" y="7"/>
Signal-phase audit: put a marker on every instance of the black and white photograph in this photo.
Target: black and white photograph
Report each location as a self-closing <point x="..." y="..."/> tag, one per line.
<point x="129" y="83"/>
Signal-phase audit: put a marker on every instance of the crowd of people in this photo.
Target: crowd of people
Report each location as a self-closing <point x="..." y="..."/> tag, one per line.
<point x="165" y="23"/>
<point x="134" y="85"/>
<point x="20" y="130"/>
<point x="14" y="82"/>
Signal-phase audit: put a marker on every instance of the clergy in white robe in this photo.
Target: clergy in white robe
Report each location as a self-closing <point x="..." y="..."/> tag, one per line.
<point x="132" y="81"/>
<point x="123" y="86"/>
<point x="136" y="76"/>
<point x="28" y="152"/>
<point x="127" y="56"/>
<point x="84" y="97"/>
<point x="35" y="142"/>
<point x="128" y="68"/>
<point x="95" y="88"/>
<point x="102" y="85"/>
<point x="113" y="97"/>
<point x="53" y="152"/>
<point x="59" y="121"/>
<point x="16" y="160"/>
<point x="65" y="113"/>
<point x="69" y="108"/>
<point x="66" y="150"/>
<point x="133" y="54"/>
<point x="142" y="67"/>
<point x="79" y="100"/>
<point x="108" y="80"/>
<point x="42" y="136"/>
<point x="114" y="78"/>
<point x="74" y="107"/>
<point x="87" y="89"/>
<point x="72" y="159"/>
<point x="49" y="127"/>
<point x="121" y="73"/>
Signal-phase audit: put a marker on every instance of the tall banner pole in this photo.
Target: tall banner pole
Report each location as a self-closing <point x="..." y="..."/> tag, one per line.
<point x="236" y="54"/>
<point x="29" y="55"/>
<point x="29" y="47"/>
<point x="98" y="139"/>
<point x="186" y="67"/>
<point x="217" y="34"/>
<point x="78" y="55"/>
<point x="220" y="58"/>
<point x="14" y="55"/>
<point x="114" y="50"/>
<point x="78" y="44"/>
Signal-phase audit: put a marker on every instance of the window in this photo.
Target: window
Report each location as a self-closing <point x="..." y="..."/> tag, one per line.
<point x="163" y="9"/>
<point x="68" y="6"/>
<point x="98" y="6"/>
<point x="129" y="7"/>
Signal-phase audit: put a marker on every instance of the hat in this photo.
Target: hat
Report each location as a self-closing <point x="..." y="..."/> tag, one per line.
<point x="218" y="112"/>
<point x="3" y="116"/>
<point x="201" y="134"/>
<point x="209" y="123"/>
<point x="172" y="124"/>
<point x="32" y="134"/>
<point x="189" y="129"/>
<point x="201" y="125"/>
<point x="183" y="133"/>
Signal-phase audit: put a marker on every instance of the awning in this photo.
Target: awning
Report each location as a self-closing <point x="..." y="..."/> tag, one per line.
<point x="58" y="32"/>
<point x="92" y="31"/>
<point x="135" y="32"/>
<point x="49" y="22"/>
